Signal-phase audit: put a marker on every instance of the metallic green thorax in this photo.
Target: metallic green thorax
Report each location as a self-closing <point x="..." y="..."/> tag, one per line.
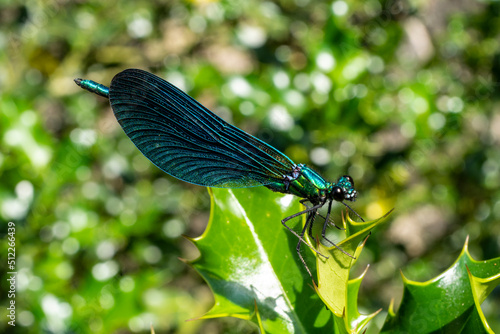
<point x="309" y="184"/>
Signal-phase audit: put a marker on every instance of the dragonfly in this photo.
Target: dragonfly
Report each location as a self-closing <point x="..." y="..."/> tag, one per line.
<point x="189" y="142"/>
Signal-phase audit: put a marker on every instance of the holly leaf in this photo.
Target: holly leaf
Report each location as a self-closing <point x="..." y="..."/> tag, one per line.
<point x="449" y="303"/>
<point x="334" y="287"/>
<point x="248" y="259"/>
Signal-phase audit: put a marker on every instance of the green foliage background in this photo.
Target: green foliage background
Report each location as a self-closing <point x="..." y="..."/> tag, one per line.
<point x="402" y="95"/>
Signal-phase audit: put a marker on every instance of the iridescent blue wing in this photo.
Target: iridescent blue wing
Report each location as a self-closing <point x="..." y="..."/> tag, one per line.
<point x="188" y="141"/>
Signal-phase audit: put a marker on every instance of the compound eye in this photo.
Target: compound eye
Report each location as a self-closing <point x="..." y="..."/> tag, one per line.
<point x="338" y="194"/>
<point x="350" y="180"/>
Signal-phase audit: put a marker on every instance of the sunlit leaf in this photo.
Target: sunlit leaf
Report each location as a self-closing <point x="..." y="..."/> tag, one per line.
<point x="248" y="258"/>
<point x="339" y="294"/>
<point x="449" y="303"/>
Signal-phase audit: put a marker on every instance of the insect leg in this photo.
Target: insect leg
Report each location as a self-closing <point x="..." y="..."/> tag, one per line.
<point x="309" y="220"/>
<point x="311" y="225"/>
<point x="301" y="239"/>
<point x="312" y="208"/>
<point x="326" y="220"/>
<point x="357" y="214"/>
<point x="330" y="221"/>
<point x="324" y="232"/>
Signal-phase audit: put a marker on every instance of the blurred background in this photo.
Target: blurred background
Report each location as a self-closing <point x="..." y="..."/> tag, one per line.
<point x="401" y="95"/>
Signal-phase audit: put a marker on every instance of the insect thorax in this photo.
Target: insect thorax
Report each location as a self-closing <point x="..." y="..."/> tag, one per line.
<point x="308" y="184"/>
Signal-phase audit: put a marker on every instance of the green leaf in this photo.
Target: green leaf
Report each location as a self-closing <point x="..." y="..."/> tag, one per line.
<point x="334" y="287"/>
<point x="449" y="303"/>
<point x="249" y="260"/>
